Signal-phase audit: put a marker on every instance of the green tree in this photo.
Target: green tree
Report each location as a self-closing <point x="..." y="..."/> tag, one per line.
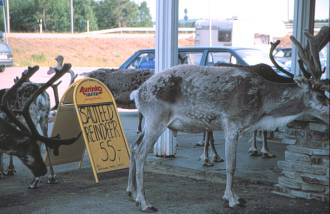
<point x="119" y="13"/>
<point x="144" y="18"/>
<point x="27" y="14"/>
<point x="83" y="12"/>
<point x="23" y="16"/>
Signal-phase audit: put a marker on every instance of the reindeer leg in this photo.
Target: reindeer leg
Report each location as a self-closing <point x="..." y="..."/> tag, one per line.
<point x="152" y="132"/>
<point x="140" y="123"/>
<point x="253" y="151"/>
<point x="52" y="177"/>
<point x="56" y="97"/>
<point x="2" y="173"/>
<point x="11" y="168"/>
<point x="202" y="142"/>
<point x="230" y="155"/>
<point x="206" y="150"/>
<point x="264" y="150"/>
<point x="216" y="156"/>
<point x="131" y="186"/>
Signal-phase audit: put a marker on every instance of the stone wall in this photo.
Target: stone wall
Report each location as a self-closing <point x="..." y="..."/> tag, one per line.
<point x="305" y="170"/>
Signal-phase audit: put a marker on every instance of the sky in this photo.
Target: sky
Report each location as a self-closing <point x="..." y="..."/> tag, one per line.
<point x="279" y="10"/>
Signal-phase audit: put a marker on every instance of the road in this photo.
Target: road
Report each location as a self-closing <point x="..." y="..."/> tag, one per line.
<point x="41" y="76"/>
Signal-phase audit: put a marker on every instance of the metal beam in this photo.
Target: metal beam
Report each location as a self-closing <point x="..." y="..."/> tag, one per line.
<point x="166" y="56"/>
<point x="304" y="12"/>
<point x="71" y="13"/>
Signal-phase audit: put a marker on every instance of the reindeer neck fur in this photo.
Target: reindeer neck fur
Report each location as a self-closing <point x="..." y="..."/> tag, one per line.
<point x="282" y="103"/>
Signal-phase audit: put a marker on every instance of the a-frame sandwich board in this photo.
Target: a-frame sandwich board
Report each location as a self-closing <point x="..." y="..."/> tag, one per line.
<point x="89" y="107"/>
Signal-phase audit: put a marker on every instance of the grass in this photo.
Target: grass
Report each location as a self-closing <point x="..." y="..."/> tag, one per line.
<point x="80" y="52"/>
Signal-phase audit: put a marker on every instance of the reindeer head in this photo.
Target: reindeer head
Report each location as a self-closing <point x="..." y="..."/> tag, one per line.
<point x="314" y="89"/>
<point x="309" y="64"/>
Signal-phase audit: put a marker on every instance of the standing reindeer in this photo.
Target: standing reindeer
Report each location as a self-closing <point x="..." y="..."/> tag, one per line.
<point x="20" y="139"/>
<point x="266" y="72"/>
<point x="121" y="84"/>
<point x="193" y="98"/>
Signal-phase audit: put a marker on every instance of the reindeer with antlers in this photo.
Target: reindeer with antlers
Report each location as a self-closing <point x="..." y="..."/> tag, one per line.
<point x="20" y="138"/>
<point x="193" y="98"/>
<point x="39" y="110"/>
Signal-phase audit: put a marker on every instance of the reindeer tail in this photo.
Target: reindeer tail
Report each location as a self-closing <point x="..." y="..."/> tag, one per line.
<point x="134" y="96"/>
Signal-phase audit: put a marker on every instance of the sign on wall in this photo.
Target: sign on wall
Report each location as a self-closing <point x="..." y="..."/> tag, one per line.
<point x="95" y="114"/>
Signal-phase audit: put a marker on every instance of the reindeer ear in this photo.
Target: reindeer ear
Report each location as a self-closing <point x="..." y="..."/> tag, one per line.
<point x="302" y="82"/>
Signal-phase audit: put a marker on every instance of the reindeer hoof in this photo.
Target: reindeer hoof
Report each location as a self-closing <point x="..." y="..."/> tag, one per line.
<point x="207" y="163"/>
<point x="52" y="180"/>
<point x="130" y="196"/>
<point x="35" y="183"/>
<point x="11" y="171"/>
<point x="268" y="155"/>
<point x="217" y="158"/>
<point x="149" y="209"/>
<point x="254" y="153"/>
<point x="201" y="143"/>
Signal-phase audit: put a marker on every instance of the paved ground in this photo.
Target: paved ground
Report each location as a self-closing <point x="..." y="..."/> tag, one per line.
<point x="180" y="185"/>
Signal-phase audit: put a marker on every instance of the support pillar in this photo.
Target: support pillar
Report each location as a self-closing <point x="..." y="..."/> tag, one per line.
<point x="303" y="20"/>
<point x="166" y="56"/>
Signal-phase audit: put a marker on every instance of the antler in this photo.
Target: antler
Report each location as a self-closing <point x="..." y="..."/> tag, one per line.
<point x="309" y="56"/>
<point x="26" y="75"/>
<point x="271" y="56"/>
<point x="49" y="141"/>
<point x="33" y="133"/>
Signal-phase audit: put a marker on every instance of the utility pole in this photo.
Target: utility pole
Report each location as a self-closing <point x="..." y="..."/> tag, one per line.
<point x="71" y="10"/>
<point x="8" y="16"/>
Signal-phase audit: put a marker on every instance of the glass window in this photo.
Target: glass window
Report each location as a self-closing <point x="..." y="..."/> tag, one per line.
<point x="143" y="61"/>
<point x="224" y="36"/>
<point x="253" y="56"/>
<point x="193" y="58"/>
<point x="220" y="57"/>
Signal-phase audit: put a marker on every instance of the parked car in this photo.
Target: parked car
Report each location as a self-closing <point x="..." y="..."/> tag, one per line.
<point x="145" y="58"/>
<point x="287" y="62"/>
<point x="283" y="55"/>
<point x="6" y="54"/>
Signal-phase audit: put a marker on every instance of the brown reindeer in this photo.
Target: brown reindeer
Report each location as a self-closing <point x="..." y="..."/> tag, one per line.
<point x="122" y="83"/>
<point x="192" y="98"/>
<point x="20" y="139"/>
<point x="39" y="111"/>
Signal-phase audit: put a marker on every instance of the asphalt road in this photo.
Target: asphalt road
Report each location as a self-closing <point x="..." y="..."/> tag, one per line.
<point x="41" y="76"/>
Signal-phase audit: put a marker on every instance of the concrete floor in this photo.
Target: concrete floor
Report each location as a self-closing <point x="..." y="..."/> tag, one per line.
<point x="194" y="189"/>
<point x="187" y="158"/>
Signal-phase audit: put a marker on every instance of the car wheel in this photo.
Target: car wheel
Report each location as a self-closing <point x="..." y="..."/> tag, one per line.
<point x="2" y="68"/>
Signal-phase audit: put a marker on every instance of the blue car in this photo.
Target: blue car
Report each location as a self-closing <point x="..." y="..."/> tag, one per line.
<point x="6" y="54"/>
<point x="144" y="59"/>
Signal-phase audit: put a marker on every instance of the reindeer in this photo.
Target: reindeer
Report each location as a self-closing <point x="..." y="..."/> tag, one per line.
<point x="121" y="84"/>
<point x="193" y="98"/>
<point x="39" y="111"/>
<point x="20" y="139"/>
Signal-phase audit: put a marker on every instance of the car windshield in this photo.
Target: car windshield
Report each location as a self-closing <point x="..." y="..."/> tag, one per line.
<point x="254" y="56"/>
